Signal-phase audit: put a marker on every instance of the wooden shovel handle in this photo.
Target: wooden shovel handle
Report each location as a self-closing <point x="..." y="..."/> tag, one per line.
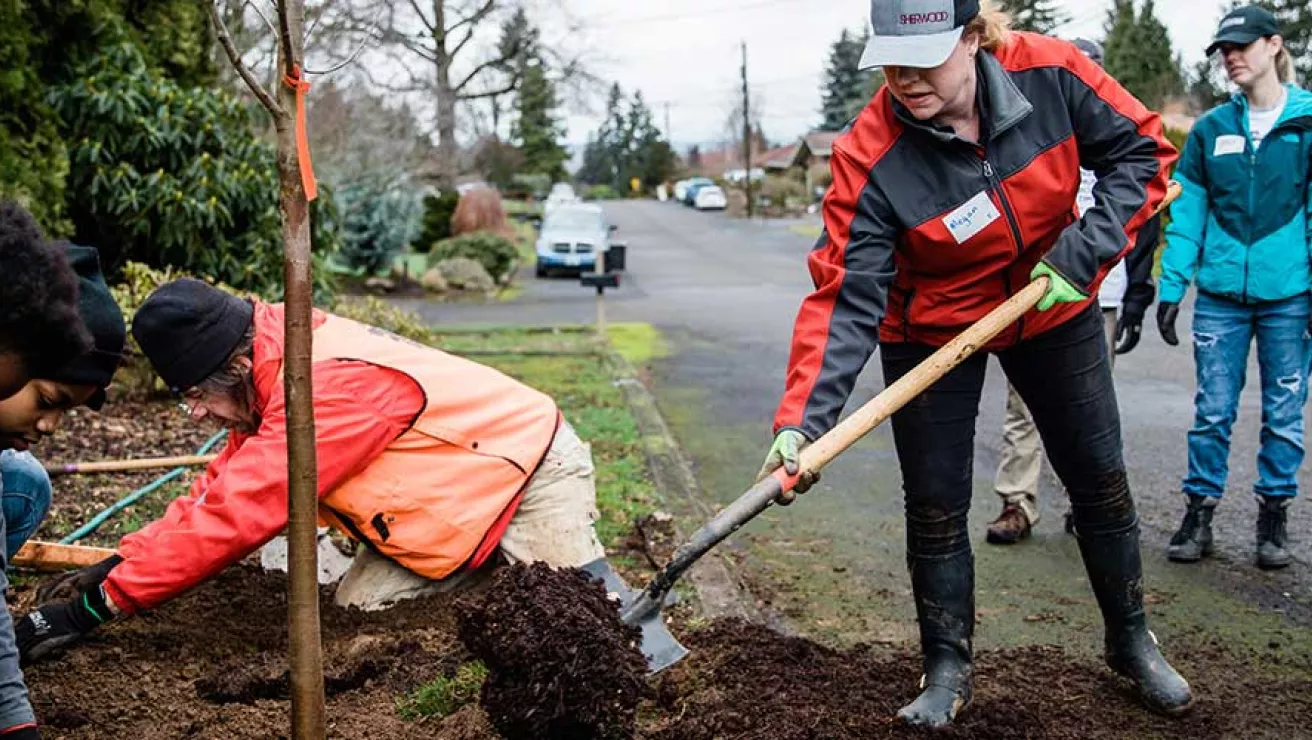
<point x="119" y="466"/>
<point x="895" y="396"/>
<point x="51" y="556"/>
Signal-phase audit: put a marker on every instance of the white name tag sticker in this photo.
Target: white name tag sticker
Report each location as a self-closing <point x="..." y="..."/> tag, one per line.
<point x="1229" y="145"/>
<point x="972" y="218"/>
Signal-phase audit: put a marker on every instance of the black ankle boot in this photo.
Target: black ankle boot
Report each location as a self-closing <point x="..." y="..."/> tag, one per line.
<point x="1272" y="515"/>
<point x="945" y="606"/>
<point x="1193" y="540"/>
<point x="1116" y="574"/>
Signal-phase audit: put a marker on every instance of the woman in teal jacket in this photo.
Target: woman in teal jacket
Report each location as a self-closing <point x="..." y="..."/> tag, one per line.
<point x="1240" y="231"/>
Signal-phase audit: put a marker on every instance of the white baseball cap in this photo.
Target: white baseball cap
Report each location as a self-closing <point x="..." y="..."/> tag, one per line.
<point x="915" y="33"/>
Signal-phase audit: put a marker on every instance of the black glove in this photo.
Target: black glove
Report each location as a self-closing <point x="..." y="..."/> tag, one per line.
<point x="1128" y="329"/>
<point x="1166" y="316"/>
<point x="73" y="584"/>
<point x="27" y="733"/>
<point x="56" y="626"/>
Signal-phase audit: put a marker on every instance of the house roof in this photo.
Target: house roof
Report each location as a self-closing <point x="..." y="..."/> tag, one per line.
<point x="780" y="158"/>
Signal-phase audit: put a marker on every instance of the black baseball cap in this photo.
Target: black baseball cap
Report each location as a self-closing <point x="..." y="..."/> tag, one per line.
<point x="1242" y="26"/>
<point x="915" y="33"/>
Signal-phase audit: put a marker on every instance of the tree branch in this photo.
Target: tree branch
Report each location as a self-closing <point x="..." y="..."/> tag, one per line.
<point x="489" y="64"/>
<point x="272" y="28"/>
<point x="423" y="19"/>
<point x="349" y="60"/>
<point x="487" y="93"/>
<point x="474" y="18"/>
<point x="225" y="40"/>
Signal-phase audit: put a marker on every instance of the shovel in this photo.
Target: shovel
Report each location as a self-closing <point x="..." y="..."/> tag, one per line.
<point x="644" y="610"/>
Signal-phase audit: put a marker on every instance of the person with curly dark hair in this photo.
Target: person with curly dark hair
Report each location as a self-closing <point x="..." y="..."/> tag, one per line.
<point x="40" y="330"/>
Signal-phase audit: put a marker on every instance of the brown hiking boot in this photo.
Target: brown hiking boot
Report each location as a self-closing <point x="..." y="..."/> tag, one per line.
<point x="1010" y="527"/>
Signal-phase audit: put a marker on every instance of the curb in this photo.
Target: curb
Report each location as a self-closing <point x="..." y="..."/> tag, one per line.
<point x="719" y="591"/>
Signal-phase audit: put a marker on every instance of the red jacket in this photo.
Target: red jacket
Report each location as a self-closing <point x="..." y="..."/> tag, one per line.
<point x="925" y="233"/>
<point x="422" y="456"/>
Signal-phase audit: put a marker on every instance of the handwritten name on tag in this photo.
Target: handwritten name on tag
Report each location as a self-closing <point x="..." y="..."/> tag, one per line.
<point x="971" y="218"/>
<point x="1229" y="145"/>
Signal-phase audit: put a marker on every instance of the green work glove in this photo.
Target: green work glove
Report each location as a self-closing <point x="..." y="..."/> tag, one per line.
<point x="1059" y="289"/>
<point x="785" y="452"/>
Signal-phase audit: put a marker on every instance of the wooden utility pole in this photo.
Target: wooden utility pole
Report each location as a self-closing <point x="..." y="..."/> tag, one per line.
<point x="296" y="189"/>
<point x="669" y="137"/>
<point x="747" y="138"/>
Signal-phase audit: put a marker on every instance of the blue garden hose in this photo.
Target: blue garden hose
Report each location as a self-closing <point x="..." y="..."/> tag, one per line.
<point x="137" y="495"/>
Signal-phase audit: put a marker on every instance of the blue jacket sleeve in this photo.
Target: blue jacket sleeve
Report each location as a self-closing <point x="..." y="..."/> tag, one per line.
<point x="1188" y="229"/>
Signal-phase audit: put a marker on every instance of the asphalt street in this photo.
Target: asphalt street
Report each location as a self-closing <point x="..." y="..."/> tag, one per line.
<point x="724" y="294"/>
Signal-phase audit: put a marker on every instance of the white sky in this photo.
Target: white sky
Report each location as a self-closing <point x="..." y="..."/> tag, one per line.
<point x="686" y="53"/>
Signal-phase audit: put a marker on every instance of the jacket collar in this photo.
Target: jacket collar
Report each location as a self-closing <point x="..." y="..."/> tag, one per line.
<point x="1298" y="104"/>
<point x="1001" y="104"/>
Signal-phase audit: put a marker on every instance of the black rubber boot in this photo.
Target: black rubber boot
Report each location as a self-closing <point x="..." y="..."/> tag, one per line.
<point x="945" y="606"/>
<point x="1193" y="541"/>
<point x="1116" y="574"/>
<point x="1272" y="516"/>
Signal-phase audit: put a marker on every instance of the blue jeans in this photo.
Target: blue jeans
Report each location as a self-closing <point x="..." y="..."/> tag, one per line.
<point x="26" y="498"/>
<point x="1223" y="332"/>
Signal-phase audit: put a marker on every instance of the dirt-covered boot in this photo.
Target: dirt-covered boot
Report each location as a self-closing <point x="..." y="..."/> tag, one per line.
<point x="1116" y="574"/>
<point x="1272" y="516"/>
<point x="1193" y="541"/>
<point x="945" y="606"/>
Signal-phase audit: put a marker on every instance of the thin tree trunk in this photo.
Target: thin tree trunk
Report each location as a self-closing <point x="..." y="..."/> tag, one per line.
<point x="447" y="151"/>
<point x="305" y="652"/>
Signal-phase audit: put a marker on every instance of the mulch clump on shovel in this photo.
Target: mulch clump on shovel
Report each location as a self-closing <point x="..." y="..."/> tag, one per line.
<point x="560" y="663"/>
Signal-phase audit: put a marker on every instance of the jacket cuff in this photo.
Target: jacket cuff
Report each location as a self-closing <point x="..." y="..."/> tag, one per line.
<point x="1170" y="292"/>
<point x="26" y="731"/>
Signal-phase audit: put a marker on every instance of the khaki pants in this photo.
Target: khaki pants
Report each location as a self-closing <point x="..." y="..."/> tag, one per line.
<point x="553" y="524"/>
<point x="1021" y="463"/>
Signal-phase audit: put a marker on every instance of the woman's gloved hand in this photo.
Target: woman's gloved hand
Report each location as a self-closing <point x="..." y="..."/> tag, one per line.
<point x="47" y="630"/>
<point x="1167" y="313"/>
<point x="785" y="452"/>
<point x="1060" y="289"/>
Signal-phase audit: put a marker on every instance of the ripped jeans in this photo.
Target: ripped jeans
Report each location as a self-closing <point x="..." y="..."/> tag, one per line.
<point x="1223" y="332"/>
<point x="1065" y="378"/>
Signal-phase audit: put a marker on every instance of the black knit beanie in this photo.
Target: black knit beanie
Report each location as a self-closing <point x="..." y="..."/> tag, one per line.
<point x="188" y="330"/>
<point x="103" y="319"/>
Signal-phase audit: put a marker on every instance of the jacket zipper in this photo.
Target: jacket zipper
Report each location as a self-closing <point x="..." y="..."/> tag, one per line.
<point x="906" y="314"/>
<point x="995" y="185"/>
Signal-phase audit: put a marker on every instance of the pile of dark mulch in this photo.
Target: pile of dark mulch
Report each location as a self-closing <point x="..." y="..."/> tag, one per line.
<point x="560" y="663"/>
<point x="744" y="680"/>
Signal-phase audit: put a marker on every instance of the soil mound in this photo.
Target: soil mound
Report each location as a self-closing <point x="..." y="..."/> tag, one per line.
<point x="744" y="680"/>
<point x="560" y="663"/>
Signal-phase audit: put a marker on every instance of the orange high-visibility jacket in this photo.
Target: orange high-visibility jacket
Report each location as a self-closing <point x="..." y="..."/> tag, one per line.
<point x="421" y="456"/>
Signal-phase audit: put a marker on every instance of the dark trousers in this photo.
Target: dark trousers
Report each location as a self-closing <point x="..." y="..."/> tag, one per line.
<point x="1065" y="378"/>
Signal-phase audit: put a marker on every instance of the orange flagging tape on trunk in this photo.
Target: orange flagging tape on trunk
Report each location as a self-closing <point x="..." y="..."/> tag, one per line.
<point x="298" y="83"/>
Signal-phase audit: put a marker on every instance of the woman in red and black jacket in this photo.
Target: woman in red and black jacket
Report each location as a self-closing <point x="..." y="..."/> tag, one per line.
<point x="953" y="189"/>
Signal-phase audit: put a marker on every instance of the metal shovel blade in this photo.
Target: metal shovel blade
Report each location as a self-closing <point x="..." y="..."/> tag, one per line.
<point x="658" y="645"/>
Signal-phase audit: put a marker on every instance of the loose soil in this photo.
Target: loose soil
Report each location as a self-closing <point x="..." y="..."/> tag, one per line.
<point x="560" y="663"/>
<point x="125" y="430"/>
<point x="213" y="663"/>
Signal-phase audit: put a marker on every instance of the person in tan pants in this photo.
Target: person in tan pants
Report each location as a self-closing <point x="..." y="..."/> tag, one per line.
<point x="1124" y="297"/>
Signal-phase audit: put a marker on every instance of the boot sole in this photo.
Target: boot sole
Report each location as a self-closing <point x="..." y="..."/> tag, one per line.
<point x="1273" y="565"/>
<point x="1176" y="557"/>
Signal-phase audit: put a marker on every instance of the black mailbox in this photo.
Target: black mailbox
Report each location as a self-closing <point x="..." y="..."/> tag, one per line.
<point x="615" y="255"/>
<point x="600" y="281"/>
